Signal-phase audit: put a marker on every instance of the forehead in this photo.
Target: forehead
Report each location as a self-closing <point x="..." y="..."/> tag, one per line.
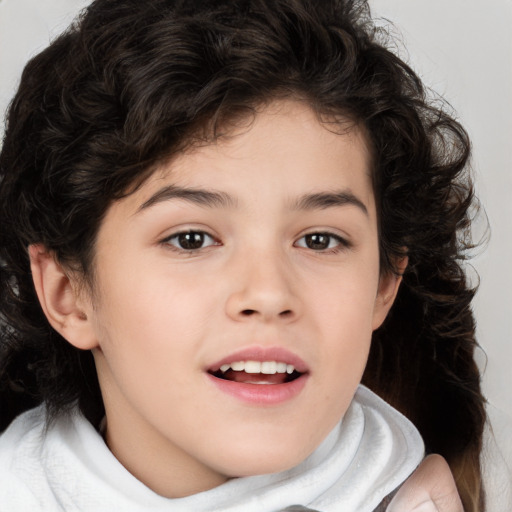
<point x="284" y="149"/>
<point x="285" y="140"/>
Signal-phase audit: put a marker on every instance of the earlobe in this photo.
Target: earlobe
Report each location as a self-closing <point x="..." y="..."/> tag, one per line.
<point x="59" y="299"/>
<point x="388" y="288"/>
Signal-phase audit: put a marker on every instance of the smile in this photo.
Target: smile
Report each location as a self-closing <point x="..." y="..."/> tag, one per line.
<point x="259" y="380"/>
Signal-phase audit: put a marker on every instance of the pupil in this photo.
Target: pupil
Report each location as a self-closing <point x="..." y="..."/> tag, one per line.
<point x="317" y="241"/>
<point x="191" y="240"/>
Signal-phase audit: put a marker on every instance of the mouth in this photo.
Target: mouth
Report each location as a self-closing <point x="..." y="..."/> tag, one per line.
<point x="257" y="372"/>
<point x="260" y="376"/>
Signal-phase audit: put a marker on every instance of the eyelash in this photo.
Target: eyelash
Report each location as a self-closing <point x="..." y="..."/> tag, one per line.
<point x="200" y="237"/>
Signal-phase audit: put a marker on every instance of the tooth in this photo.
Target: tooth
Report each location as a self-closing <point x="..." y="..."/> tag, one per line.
<point x="269" y="367"/>
<point x="281" y="368"/>
<point x="252" y="367"/>
<point x="266" y="367"/>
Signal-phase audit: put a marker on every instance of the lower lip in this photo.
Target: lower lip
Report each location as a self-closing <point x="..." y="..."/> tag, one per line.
<point x="261" y="394"/>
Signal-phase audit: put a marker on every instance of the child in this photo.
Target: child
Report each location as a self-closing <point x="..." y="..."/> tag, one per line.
<point x="218" y="218"/>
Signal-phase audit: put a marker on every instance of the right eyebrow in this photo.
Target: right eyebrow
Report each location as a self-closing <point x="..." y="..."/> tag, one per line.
<point x="323" y="200"/>
<point x="202" y="197"/>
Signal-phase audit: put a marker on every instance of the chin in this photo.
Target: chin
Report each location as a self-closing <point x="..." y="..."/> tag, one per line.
<point x="255" y="464"/>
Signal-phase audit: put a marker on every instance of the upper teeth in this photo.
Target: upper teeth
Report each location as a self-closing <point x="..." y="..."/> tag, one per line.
<point x="265" y="367"/>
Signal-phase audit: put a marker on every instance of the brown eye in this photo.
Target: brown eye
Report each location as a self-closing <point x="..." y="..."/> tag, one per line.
<point x="191" y="240"/>
<point x="317" y="241"/>
<point x="321" y="242"/>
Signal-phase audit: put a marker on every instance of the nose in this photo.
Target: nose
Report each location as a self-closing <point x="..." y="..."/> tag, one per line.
<point x="264" y="289"/>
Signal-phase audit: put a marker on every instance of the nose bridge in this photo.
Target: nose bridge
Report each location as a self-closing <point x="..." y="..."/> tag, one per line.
<point x="263" y="286"/>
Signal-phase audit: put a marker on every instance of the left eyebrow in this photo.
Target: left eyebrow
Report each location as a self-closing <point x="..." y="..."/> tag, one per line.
<point x="323" y="200"/>
<point x="202" y="197"/>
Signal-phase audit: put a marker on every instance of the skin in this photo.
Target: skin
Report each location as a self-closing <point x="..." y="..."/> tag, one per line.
<point x="159" y="316"/>
<point x="431" y="488"/>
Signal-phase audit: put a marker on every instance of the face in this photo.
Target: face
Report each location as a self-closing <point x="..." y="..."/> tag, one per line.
<point x="235" y="296"/>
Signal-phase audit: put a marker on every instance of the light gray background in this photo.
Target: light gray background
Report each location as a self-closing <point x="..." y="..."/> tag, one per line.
<point x="461" y="48"/>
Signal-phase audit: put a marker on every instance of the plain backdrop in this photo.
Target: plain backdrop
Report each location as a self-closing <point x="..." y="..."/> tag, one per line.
<point x="463" y="50"/>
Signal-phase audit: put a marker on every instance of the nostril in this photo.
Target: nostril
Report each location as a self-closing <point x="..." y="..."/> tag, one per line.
<point x="249" y="312"/>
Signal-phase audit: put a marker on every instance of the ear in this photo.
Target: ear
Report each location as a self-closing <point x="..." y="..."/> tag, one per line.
<point x="59" y="299"/>
<point x="386" y="294"/>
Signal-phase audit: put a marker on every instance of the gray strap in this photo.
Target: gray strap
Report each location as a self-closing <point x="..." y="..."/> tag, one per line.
<point x="298" y="508"/>
<point x="383" y="505"/>
<point x="381" y="508"/>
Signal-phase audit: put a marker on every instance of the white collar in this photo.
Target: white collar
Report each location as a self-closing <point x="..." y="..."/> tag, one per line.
<point x="370" y="453"/>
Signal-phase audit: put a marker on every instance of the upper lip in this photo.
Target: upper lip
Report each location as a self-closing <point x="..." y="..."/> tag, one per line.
<point x="261" y="354"/>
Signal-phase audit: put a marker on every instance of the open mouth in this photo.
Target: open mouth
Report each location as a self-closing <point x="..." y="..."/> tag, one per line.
<point x="256" y="372"/>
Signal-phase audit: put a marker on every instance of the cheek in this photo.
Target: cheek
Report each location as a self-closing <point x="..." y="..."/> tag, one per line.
<point x="343" y="317"/>
<point x="344" y="300"/>
<point x="149" y="337"/>
<point x="144" y="323"/>
<point x="153" y="299"/>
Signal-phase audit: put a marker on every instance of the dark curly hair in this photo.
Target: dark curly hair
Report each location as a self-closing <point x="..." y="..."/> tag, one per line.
<point x="131" y="83"/>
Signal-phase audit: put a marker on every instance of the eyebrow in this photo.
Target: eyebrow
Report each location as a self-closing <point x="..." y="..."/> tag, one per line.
<point x="202" y="197"/>
<point x="210" y="199"/>
<point x="323" y="200"/>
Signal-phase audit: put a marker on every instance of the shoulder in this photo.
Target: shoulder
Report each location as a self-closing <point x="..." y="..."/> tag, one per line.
<point x="22" y="440"/>
<point x="63" y="466"/>
<point x="20" y="468"/>
<point x="27" y="424"/>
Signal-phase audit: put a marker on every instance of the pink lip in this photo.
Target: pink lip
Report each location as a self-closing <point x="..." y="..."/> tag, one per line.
<point x="261" y="394"/>
<point x="262" y="354"/>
